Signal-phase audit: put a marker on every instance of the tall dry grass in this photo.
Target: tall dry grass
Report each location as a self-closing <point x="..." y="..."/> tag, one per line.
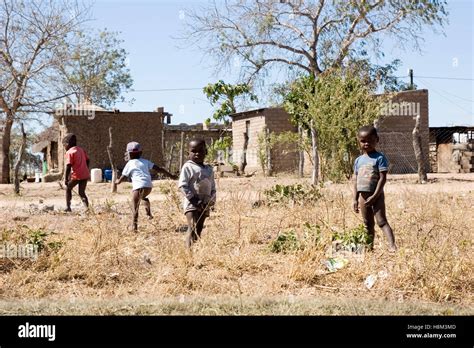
<point x="95" y="257"/>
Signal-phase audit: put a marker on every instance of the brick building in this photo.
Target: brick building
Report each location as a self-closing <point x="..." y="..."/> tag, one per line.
<point x="395" y="129"/>
<point x="91" y="126"/>
<point x="161" y="142"/>
<point x="254" y="123"/>
<point x="452" y="149"/>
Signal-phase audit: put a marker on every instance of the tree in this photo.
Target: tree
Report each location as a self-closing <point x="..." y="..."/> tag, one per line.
<point x="32" y="39"/>
<point x="307" y="36"/>
<point x="339" y="102"/>
<point x="97" y="71"/>
<point x="226" y="94"/>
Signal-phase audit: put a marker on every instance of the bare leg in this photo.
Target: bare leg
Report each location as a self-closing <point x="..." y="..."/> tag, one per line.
<point x="195" y="225"/>
<point x="381" y="218"/>
<point x="136" y="205"/>
<point x="69" y="188"/>
<point x="82" y="192"/>
<point x="143" y="195"/>
<point x="368" y="217"/>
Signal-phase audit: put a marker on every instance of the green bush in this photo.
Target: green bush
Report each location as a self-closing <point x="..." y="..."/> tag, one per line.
<point x="353" y="237"/>
<point x="286" y="241"/>
<point x="295" y="194"/>
<point x="289" y="241"/>
<point x="37" y="237"/>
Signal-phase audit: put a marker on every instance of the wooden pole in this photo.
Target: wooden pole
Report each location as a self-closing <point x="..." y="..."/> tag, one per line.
<point x="300" y="152"/>
<point x="181" y="151"/>
<point x="243" y="157"/>
<point x="314" y="154"/>
<point x="269" y="152"/>
<point x="19" y="159"/>
<point x="422" y="177"/>
<point x="113" y="187"/>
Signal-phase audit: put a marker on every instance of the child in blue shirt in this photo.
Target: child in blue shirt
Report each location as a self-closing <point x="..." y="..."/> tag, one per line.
<point x="138" y="170"/>
<point x="370" y="171"/>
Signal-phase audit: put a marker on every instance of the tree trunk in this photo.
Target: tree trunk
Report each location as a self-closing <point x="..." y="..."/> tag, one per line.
<point x="5" y="155"/>
<point x="243" y="159"/>
<point x="300" y="152"/>
<point x="314" y="155"/>
<point x="19" y="159"/>
<point x="422" y="177"/>
<point x="113" y="187"/>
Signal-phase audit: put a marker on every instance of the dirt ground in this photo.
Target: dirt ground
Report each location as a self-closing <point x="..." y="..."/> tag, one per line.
<point x="90" y="263"/>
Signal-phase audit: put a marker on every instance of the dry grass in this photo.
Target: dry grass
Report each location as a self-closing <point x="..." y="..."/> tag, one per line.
<point x="93" y="264"/>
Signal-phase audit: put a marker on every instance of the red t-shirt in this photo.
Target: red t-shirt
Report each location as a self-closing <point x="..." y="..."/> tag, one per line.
<point x="77" y="157"/>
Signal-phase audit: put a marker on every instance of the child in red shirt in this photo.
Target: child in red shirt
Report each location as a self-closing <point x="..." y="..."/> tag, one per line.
<point x="77" y="170"/>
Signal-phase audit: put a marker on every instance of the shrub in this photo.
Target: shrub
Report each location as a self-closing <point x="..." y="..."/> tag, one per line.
<point x="354" y="237"/>
<point x="294" y="194"/>
<point x="289" y="240"/>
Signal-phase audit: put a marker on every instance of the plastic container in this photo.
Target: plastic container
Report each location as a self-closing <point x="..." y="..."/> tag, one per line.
<point x="108" y="174"/>
<point x="96" y="175"/>
<point x="37" y="177"/>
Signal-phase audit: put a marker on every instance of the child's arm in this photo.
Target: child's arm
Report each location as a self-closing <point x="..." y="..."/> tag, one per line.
<point x="378" y="189"/>
<point x="125" y="174"/>
<point x="119" y="181"/>
<point x="213" y="188"/>
<point x="183" y="185"/>
<point x="355" y="202"/>
<point x="164" y="171"/>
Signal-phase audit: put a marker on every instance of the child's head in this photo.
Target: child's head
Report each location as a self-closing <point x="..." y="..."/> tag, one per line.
<point x="134" y="150"/>
<point x="69" y="141"/>
<point x="368" y="138"/>
<point x="197" y="150"/>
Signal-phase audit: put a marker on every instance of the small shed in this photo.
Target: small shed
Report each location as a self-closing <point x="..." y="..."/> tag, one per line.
<point x="452" y="149"/>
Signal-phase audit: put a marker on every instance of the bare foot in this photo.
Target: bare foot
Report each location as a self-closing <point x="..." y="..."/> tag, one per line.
<point x="392" y="248"/>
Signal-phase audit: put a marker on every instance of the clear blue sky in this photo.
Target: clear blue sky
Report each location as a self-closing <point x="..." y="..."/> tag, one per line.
<point x="148" y="27"/>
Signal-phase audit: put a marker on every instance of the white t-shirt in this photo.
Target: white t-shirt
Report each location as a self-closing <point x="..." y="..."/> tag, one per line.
<point x="139" y="171"/>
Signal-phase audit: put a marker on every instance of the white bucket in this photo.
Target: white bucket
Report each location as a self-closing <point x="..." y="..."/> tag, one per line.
<point x="38" y="177"/>
<point x="96" y="175"/>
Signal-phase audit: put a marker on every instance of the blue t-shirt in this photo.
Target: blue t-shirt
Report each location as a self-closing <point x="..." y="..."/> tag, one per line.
<point x="367" y="168"/>
<point x="139" y="171"/>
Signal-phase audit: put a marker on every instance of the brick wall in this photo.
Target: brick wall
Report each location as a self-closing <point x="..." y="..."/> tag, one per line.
<point x="257" y="125"/>
<point x="395" y="130"/>
<point x="284" y="158"/>
<point x="93" y="135"/>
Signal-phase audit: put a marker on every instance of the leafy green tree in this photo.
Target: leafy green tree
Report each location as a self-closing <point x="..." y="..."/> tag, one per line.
<point x="225" y="95"/>
<point x="97" y="71"/>
<point x="339" y="102"/>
